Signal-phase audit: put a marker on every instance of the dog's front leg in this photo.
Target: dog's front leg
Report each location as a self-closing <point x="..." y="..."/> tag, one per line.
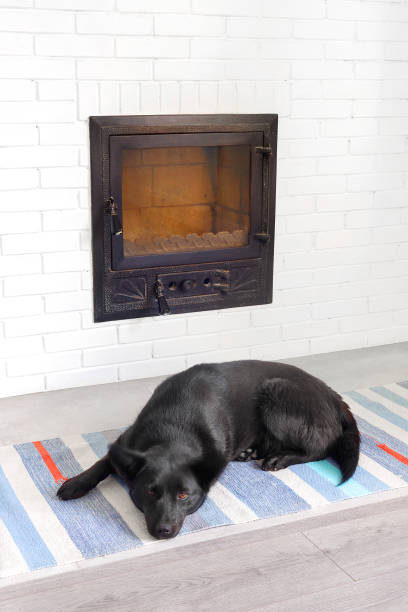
<point x="82" y="483"/>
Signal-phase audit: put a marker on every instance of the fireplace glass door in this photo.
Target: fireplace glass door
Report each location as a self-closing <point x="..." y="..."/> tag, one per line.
<point x="177" y="196"/>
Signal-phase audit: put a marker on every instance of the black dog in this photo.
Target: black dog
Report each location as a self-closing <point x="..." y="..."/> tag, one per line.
<point x="199" y="420"/>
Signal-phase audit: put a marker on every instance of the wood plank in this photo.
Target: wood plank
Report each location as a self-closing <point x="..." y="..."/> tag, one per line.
<point x="367" y="546"/>
<point x="231" y="574"/>
<point x="387" y="592"/>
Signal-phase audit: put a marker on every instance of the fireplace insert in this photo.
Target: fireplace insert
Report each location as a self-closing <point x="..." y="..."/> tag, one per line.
<point x="183" y="212"/>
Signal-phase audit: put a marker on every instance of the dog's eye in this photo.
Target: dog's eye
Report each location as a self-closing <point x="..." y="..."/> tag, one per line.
<point x="182" y="495"/>
<point x="151" y="493"/>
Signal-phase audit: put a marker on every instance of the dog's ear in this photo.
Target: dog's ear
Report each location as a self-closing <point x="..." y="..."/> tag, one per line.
<point x="207" y="470"/>
<point x="126" y="461"/>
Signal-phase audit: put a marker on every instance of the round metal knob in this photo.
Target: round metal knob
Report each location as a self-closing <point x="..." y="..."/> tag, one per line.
<point x="187" y="285"/>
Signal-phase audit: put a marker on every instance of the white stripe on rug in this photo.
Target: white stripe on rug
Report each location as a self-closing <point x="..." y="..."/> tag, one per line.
<point x="113" y="492"/>
<point x="230" y="505"/>
<point x="300" y="487"/>
<point x="41" y="514"/>
<point x="377" y="421"/>
<point x="11" y="562"/>
<point x="387" y="403"/>
<point x="380" y="472"/>
<point x="399" y="390"/>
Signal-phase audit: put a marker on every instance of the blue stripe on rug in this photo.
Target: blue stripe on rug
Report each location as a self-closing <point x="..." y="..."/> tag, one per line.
<point x="392" y="396"/>
<point x="379" y="409"/>
<point x="25" y="535"/>
<point x="266" y="498"/>
<point x="381" y="436"/>
<point x="91" y="522"/>
<point x="369" y="447"/>
<point x="318" y="481"/>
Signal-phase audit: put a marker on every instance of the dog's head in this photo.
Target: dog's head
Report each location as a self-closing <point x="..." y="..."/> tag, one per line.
<point x="165" y="483"/>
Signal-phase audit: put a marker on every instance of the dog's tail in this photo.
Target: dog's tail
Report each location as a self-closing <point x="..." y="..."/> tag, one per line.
<point x="346" y="449"/>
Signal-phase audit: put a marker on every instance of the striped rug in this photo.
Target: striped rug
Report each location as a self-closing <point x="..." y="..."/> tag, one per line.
<point x="37" y="530"/>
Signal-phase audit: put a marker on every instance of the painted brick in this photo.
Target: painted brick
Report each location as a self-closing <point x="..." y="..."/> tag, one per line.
<point x="184" y="345"/>
<point x="159" y="6"/>
<point x="10" y="223"/>
<point x="117" y="354"/>
<point x="344" y="201"/>
<point x="152" y="329"/>
<point x="38" y="199"/>
<point x="15" y="44"/>
<point x="18" y="134"/>
<point x="74" y="45"/>
<point x="152" y="46"/>
<point x="82" y="5"/>
<point x="379" y="303"/>
<point x="338" y="343"/>
<point x="37" y="111"/>
<point x="219" y="356"/>
<point x="21" y="385"/>
<point x="30" y="326"/>
<point x="339" y="308"/>
<point x="41" y="242"/>
<point x="114" y="23"/>
<point x="36" y="68"/>
<point x="21" y="306"/>
<point x="218" y="322"/>
<point x="41" y="283"/>
<point x="66" y="341"/>
<point x="227" y="7"/>
<point x="112" y="69"/>
<point x="19" y="264"/>
<point x="36" y="21"/>
<point x="272" y="316"/>
<point x="388" y="335"/>
<point x="67" y="262"/>
<point x="342" y="238"/>
<point x="64" y="177"/>
<point x="152" y="367"/>
<point x="280" y="350"/>
<point x="66" y="220"/>
<point x="56" y="90"/>
<point x="223" y="48"/>
<point x="251" y="27"/>
<point x="81" y="378"/>
<point x="63" y="134"/>
<point x="15" y="347"/>
<point x="191" y="70"/>
<point x="62" y="302"/>
<point x="23" y="178"/>
<point x="372" y="218"/>
<point x="249" y="337"/>
<point x="314" y="9"/>
<point x="323" y="29"/>
<point x="25" y="157"/>
<point x="315" y="222"/>
<point x="297" y="331"/>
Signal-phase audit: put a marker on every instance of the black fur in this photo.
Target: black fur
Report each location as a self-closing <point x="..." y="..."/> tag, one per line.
<point x="199" y="420"/>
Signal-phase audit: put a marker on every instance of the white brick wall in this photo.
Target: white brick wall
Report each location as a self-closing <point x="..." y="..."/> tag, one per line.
<point x="336" y="71"/>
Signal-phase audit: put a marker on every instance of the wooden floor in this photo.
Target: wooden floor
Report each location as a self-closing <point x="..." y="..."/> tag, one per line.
<point x="353" y="559"/>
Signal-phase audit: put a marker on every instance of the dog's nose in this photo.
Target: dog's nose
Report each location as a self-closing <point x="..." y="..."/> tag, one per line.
<point x="164" y="531"/>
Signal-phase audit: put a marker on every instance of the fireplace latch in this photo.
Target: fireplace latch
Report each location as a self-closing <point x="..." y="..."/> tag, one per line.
<point x="161" y="300"/>
<point x="111" y="209"/>
<point x="264" y="150"/>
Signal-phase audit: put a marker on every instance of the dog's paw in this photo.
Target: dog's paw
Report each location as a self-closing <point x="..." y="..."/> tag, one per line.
<point x="72" y="489"/>
<point x="247" y="454"/>
<point x="273" y="464"/>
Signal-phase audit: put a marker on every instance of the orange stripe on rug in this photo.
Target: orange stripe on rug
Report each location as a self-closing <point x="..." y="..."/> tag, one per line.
<point x="394" y="453"/>
<point x="46" y="457"/>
